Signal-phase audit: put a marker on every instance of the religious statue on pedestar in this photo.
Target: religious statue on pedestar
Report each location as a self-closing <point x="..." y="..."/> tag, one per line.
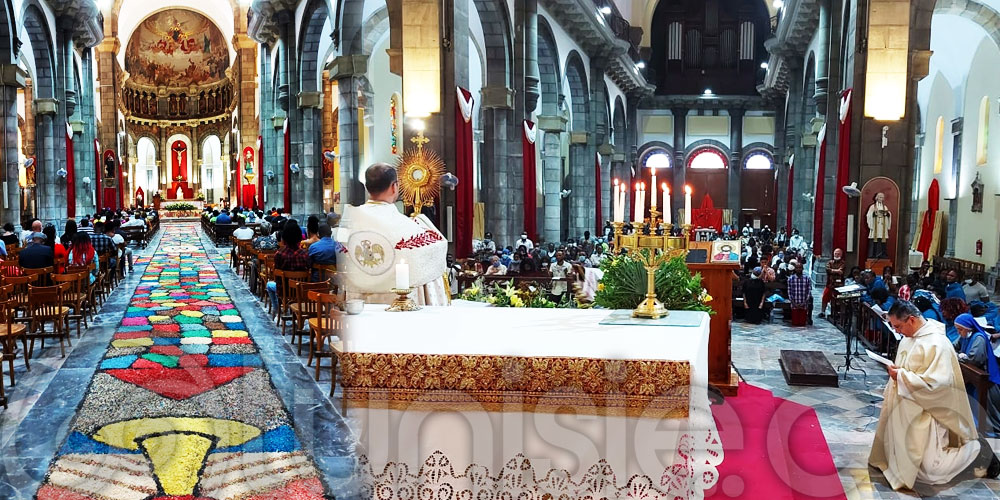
<point x="879" y="221"/>
<point x="379" y="238"/>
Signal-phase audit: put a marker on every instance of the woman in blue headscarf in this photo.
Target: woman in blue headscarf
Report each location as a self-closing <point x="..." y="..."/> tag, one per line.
<point x="973" y="346"/>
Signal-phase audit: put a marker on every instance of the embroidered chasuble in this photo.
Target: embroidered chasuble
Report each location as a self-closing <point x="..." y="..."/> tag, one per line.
<point x="381" y="237"/>
<point x="925" y="431"/>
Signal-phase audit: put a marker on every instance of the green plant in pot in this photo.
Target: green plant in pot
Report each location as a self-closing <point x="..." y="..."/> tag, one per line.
<point x="624" y="285"/>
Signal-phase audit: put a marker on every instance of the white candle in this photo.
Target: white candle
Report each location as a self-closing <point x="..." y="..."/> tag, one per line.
<point x="637" y="203"/>
<point x="652" y="188"/>
<point x="621" y="201"/>
<point x="402" y="275"/>
<point x="642" y="202"/>
<point x="687" y="205"/>
<point x="615" y="192"/>
<point x="666" y="203"/>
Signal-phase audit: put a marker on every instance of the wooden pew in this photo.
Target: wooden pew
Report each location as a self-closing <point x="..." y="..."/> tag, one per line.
<point x="981" y="381"/>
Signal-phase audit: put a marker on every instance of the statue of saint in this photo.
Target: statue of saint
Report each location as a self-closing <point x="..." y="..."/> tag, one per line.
<point x="879" y="221"/>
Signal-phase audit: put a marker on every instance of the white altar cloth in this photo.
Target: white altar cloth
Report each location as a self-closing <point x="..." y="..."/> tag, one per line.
<point x="463" y="453"/>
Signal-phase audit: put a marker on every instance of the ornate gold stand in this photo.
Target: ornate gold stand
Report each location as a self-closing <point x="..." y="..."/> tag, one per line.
<point x="652" y="251"/>
<point x="403" y="302"/>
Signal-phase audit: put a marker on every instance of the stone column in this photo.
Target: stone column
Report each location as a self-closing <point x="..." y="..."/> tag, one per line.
<point x="308" y="192"/>
<point x="50" y="190"/>
<point x="532" y="89"/>
<point x="736" y="162"/>
<point x="680" y="169"/>
<point x="107" y="69"/>
<point x="287" y="91"/>
<point x="822" y="57"/>
<point x="551" y="170"/>
<point x="345" y="70"/>
<point x="500" y="167"/>
<point x="12" y="78"/>
<point x="83" y="141"/>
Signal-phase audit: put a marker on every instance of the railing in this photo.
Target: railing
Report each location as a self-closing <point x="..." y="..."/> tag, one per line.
<point x="178" y="103"/>
<point x="619" y="26"/>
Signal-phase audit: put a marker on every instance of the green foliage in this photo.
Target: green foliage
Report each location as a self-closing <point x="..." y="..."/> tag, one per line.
<point x="179" y="206"/>
<point x="624" y="285"/>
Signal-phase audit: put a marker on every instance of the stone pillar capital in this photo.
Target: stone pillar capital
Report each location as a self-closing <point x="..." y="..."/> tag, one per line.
<point x="497" y="97"/>
<point x="580" y="137"/>
<point x="347" y="66"/>
<point x="552" y="123"/>
<point x="310" y="100"/>
<point x="11" y="75"/>
<point x="737" y="112"/>
<point x="46" y="106"/>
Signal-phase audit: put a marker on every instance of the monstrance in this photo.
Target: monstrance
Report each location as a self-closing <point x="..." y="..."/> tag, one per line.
<point x="420" y="172"/>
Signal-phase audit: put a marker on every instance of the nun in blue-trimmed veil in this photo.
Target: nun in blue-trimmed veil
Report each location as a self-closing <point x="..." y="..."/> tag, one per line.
<point x="973" y="346"/>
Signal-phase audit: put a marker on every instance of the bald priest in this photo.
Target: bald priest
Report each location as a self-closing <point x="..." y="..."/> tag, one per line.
<point x="379" y="237"/>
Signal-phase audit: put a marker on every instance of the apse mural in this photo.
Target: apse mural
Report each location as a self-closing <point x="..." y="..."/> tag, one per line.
<point x="176" y="47"/>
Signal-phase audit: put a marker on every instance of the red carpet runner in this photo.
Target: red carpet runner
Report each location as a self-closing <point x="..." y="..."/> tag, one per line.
<point x="775" y="449"/>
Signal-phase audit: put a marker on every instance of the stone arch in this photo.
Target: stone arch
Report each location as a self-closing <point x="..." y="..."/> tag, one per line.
<point x="37" y="29"/>
<point x="548" y="68"/>
<point x="977" y="12"/>
<point x="576" y="80"/>
<point x="9" y="42"/>
<point x="375" y="26"/>
<point x="497" y="40"/>
<point x="310" y="69"/>
<point x="350" y="15"/>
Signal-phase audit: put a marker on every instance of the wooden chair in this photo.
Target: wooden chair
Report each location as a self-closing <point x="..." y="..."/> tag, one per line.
<point x="120" y="267"/>
<point x="104" y="277"/>
<point x="90" y="288"/>
<point x="44" y="275"/>
<point x="244" y="256"/>
<point x="10" y="267"/>
<point x="326" y="272"/>
<point x="284" y="279"/>
<point x="302" y="308"/>
<point x="20" y="294"/>
<point x="10" y="332"/>
<point x="325" y="327"/>
<point x="75" y="295"/>
<point x="265" y="273"/>
<point x="48" y="304"/>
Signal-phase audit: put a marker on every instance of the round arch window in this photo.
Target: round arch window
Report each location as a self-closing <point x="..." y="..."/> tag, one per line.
<point x="707" y="159"/>
<point x="657" y="158"/>
<point x="759" y="160"/>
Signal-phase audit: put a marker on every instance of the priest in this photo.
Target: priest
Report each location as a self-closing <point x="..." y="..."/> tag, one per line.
<point x="926" y="432"/>
<point x="385" y="249"/>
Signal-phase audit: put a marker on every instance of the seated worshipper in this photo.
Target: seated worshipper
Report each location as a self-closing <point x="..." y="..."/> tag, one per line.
<point x="973" y="346"/>
<point x="243" y="232"/>
<point x="928" y="308"/>
<point x="111" y="229"/>
<point x="58" y="250"/>
<point x="82" y="253"/>
<point x="8" y="236"/>
<point x="882" y="299"/>
<point x="953" y="286"/>
<point x="975" y="291"/>
<point x="380" y="237"/>
<point x="290" y="257"/>
<point x="926" y="432"/>
<point x="214" y="217"/>
<point x="312" y="231"/>
<point x="800" y="292"/>
<point x="135" y="221"/>
<point x="909" y="286"/>
<point x="103" y="244"/>
<point x="951" y="309"/>
<point x="754" y="291"/>
<point x="834" y="278"/>
<point x="224" y="218"/>
<point x="27" y="234"/>
<point x="324" y="250"/>
<point x="871" y="281"/>
<point x="36" y="254"/>
<point x="496" y="267"/>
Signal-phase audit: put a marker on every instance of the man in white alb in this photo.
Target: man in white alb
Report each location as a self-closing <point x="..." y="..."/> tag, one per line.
<point x="379" y="237"/>
<point x="925" y="432"/>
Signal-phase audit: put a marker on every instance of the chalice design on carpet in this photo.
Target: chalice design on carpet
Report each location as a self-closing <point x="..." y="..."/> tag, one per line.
<point x="181" y="406"/>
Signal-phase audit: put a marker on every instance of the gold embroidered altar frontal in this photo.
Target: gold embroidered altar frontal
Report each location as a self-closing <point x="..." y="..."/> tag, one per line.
<point x="611" y="387"/>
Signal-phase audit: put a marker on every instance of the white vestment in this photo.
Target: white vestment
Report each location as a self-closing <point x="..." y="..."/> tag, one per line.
<point x="379" y="237"/>
<point x="925" y="431"/>
<point x="879" y="220"/>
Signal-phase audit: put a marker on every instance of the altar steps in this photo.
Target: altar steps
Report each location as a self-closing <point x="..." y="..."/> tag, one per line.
<point x="774" y="449"/>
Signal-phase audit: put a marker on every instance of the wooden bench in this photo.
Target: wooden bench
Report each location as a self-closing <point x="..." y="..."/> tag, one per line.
<point x="137" y="235"/>
<point x="976" y="376"/>
<point x="967" y="268"/>
<point x="221" y="233"/>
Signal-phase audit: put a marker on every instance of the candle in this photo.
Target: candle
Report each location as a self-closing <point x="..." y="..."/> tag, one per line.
<point x="652" y="188"/>
<point x="666" y="203"/>
<point x="687" y="205"/>
<point x="615" y="193"/>
<point x="621" y="200"/>
<point x="637" y="205"/>
<point x="642" y="202"/>
<point x="402" y="275"/>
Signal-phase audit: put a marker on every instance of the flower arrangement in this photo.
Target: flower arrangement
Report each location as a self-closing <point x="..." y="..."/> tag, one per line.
<point x="179" y="206"/>
<point x="525" y="296"/>
<point x="624" y="285"/>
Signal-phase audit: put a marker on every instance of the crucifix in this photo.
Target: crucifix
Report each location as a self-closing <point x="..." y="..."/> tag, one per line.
<point x="420" y="140"/>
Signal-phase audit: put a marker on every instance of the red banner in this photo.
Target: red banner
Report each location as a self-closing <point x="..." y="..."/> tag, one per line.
<point x="820" y="195"/>
<point x="529" y="133"/>
<point x="260" y="172"/>
<point x="598" y="191"/>
<point x="788" y="207"/>
<point x="843" y="172"/>
<point x="464" y="170"/>
<point x="97" y="175"/>
<point x="70" y="175"/>
<point x="930" y="215"/>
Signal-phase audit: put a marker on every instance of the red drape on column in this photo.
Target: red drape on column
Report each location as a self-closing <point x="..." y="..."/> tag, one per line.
<point x="260" y="172"/>
<point x="843" y="172"/>
<point x="528" y="135"/>
<point x="97" y="176"/>
<point x="820" y="195"/>
<point x="598" y="221"/>
<point x="239" y="184"/>
<point x="70" y="175"/>
<point x="288" y="170"/>
<point x="788" y="207"/>
<point x="927" y="224"/>
<point x="464" y="171"/>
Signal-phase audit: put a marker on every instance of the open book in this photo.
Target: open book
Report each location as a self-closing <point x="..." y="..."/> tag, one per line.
<point x="877" y="357"/>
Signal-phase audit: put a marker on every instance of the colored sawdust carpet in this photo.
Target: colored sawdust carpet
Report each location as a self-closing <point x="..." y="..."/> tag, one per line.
<point x="181" y="405"/>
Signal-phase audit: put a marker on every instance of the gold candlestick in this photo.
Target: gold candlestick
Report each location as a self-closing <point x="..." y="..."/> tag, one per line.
<point x="402" y="302"/>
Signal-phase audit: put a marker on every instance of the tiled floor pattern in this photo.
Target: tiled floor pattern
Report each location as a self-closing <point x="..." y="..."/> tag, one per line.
<point x="182" y="385"/>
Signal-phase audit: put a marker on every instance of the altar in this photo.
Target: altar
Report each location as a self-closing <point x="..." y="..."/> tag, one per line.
<point x="475" y="400"/>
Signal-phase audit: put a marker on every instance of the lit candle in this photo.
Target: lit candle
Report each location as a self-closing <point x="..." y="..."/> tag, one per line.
<point x="642" y="202"/>
<point x="621" y="200"/>
<point x="666" y="203"/>
<point x="615" y="193"/>
<point x="652" y="188"/>
<point x="687" y="205"/>
<point x="638" y="204"/>
<point x="402" y="275"/>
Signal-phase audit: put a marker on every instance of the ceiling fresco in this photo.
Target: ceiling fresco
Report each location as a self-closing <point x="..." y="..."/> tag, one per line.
<point x="176" y="48"/>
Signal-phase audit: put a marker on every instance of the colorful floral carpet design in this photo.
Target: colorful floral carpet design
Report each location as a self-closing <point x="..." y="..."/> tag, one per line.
<point x="181" y="406"/>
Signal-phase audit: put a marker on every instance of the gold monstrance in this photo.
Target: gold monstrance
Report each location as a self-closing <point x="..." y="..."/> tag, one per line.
<point x="420" y="172"/>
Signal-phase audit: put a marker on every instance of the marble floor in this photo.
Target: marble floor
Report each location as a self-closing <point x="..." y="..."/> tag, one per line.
<point x="45" y="399"/>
